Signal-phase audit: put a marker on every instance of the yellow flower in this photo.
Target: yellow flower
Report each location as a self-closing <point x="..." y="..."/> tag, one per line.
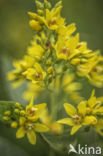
<point x="66" y="31"/>
<point x="14" y="124"/>
<point x="22" y="65"/>
<point x="35" y="74"/>
<point x="7" y="113"/>
<point x="92" y="69"/>
<point x="17" y="75"/>
<point x="94" y="105"/>
<point x="99" y="127"/>
<point x="33" y="90"/>
<point x="78" y="117"/>
<point x="53" y="19"/>
<point x="50" y="70"/>
<point x="35" y="25"/>
<point x="12" y="76"/>
<point x="29" y="128"/>
<point x="33" y="112"/>
<point x="35" y="50"/>
<point x="66" y="49"/>
<point x="68" y="85"/>
<point x="54" y="127"/>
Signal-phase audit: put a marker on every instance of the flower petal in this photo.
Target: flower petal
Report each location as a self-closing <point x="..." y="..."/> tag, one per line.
<point x="90" y="120"/>
<point x="40" y="127"/>
<point x="75" y="129"/>
<point x="99" y="127"/>
<point x="22" y="120"/>
<point x="31" y="104"/>
<point x="92" y="100"/>
<point x="70" y="109"/>
<point x="67" y="121"/>
<point x="40" y="108"/>
<point x="98" y="110"/>
<point x="31" y="137"/>
<point x="82" y="107"/>
<point x="20" y="132"/>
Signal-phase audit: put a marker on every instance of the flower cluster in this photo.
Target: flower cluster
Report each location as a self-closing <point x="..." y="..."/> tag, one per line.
<point x="54" y="61"/>
<point x="88" y="113"/>
<point x="28" y="120"/>
<point x="55" y="46"/>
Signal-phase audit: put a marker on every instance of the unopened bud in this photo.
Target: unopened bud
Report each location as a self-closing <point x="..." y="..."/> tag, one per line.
<point x="40" y="12"/>
<point x="16" y="111"/>
<point x="6" y="118"/>
<point x="22" y="112"/>
<point x="17" y="105"/>
<point x="39" y="5"/>
<point x="7" y="113"/>
<point x="75" y="61"/>
<point x="35" y="25"/>
<point x="14" y="124"/>
<point x="48" y="62"/>
<point x="47" y="4"/>
<point x="58" y="4"/>
<point x="50" y="70"/>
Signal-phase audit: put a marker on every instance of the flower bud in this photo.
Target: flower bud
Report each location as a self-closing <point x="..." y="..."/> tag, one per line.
<point x="16" y="111"/>
<point x="47" y="4"/>
<point x="39" y="5"/>
<point x="75" y="61"/>
<point x="17" y="105"/>
<point x="40" y="12"/>
<point x="6" y="118"/>
<point x="50" y="70"/>
<point x="58" y="4"/>
<point x="48" y="62"/>
<point x="35" y="25"/>
<point x="14" y="124"/>
<point x="22" y="112"/>
<point x="7" y="113"/>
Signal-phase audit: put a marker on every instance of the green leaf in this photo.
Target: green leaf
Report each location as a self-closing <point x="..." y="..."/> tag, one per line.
<point x="9" y="149"/>
<point x="61" y="142"/>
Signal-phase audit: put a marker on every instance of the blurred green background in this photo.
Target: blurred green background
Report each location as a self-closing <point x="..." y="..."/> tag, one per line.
<point x="15" y="36"/>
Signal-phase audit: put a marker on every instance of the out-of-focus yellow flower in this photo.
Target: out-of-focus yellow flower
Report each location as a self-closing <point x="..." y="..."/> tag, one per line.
<point x="99" y="127"/>
<point x="21" y="66"/>
<point x="54" y="127"/>
<point x="94" y="105"/>
<point x="12" y="76"/>
<point x="35" y="74"/>
<point x="50" y="70"/>
<point x="35" y="25"/>
<point x="68" y="85"/>
<point x="78" y="117"/>
<point x="35" y="50"/>
<point x="14" y="124"/>
<point x="93" y="70"/>
<point x="6" y="118"/>
<point x="29" y="128"/>
<point x="66" y="49"/>
<point x="7" y="113"/>
<point x="33" y="90"/>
